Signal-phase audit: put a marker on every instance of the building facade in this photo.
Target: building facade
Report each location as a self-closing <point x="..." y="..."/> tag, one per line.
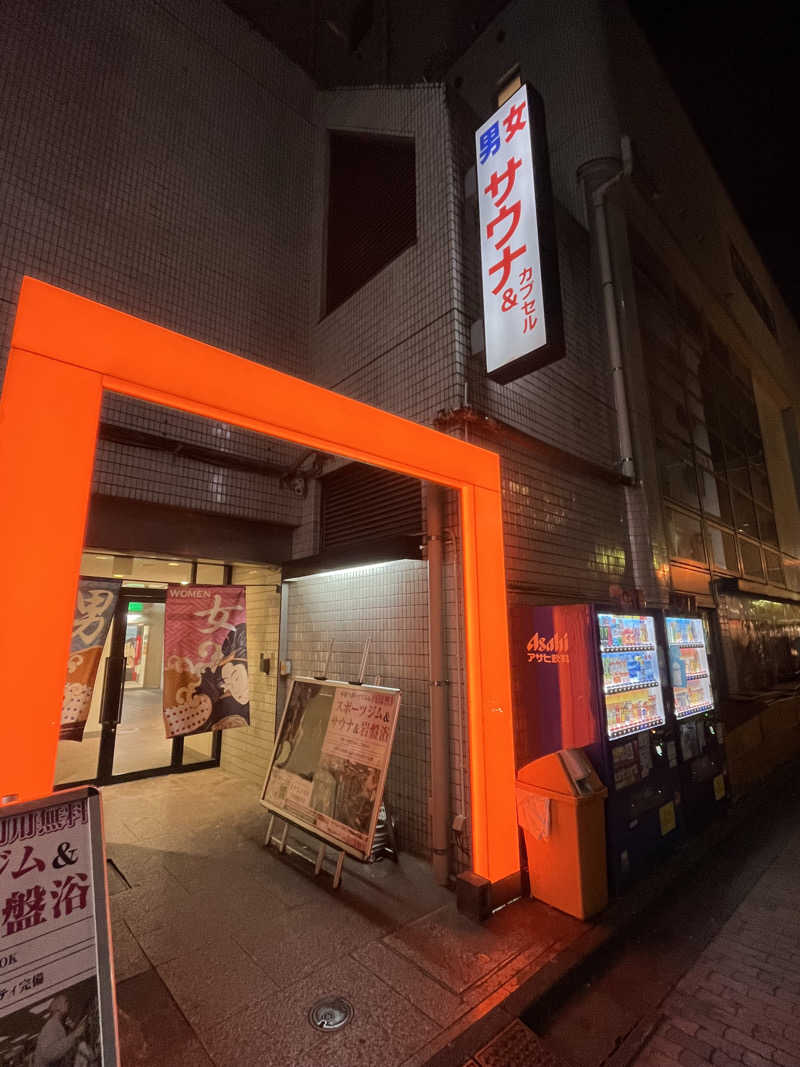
<point x="169" y="161"/>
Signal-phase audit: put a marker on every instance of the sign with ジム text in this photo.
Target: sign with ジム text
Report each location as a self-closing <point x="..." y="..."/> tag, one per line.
<point x="56" y="979"/>
<point x="329" y="764"/>
<point x="519" y="260"/>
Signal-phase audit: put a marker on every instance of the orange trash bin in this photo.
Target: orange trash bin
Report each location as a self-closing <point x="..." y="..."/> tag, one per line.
<point x="561" y="809"/>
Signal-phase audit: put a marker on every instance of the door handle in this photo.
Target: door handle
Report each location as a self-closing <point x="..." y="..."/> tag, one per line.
<point x="112" y="705"/>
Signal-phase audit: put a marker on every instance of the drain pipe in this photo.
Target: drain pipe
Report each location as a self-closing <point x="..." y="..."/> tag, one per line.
<point x="440" y="727"/>
<point x="598" y="201"/>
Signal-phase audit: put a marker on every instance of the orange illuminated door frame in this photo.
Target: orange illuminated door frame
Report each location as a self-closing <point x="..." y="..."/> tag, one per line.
<point x="65" y="351"/>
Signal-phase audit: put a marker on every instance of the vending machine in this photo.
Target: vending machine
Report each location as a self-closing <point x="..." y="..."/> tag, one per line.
<point x="593" y="678"/>
<point x="698" y="730"/>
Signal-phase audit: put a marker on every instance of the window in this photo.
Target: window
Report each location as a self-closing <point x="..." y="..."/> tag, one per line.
<point x="774" y="565"/>
<point x="767" y="529"/>
<point x="744" y="511"/>
<point x="372" y="209"/>
<point x="709" y="450"/>
<point x="686" y="537"/>
<point x="678" y="479"/>
<point x="752" y="291"/>
<point x="751" y="559"/>
<point x="722" y="546"/>
<point x="791" y="568"/>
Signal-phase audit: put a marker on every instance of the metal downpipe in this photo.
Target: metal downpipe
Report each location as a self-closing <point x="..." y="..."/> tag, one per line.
<point x="440" y="726"/>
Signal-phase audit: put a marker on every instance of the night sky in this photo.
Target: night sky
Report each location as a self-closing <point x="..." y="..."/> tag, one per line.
<point x="736" y="67"/>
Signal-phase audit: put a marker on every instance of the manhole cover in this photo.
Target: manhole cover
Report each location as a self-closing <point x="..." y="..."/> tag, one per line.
<point x="331" y="1013"/>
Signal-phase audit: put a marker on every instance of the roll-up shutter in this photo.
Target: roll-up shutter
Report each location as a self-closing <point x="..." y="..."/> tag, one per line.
<point x="366" y="504"/>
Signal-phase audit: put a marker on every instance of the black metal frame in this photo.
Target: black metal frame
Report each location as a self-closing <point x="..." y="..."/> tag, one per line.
<point x="111" y="706"/>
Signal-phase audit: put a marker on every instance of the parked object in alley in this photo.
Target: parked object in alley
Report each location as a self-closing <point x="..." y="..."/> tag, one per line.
<point x="561" y="801"/>
<point x="56" y="979"/>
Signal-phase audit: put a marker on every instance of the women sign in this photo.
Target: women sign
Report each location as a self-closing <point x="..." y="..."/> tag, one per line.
<point x="206" y="685"/>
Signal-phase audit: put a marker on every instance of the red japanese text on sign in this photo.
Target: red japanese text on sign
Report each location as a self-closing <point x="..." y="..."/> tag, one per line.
<point x="511" y="270"/>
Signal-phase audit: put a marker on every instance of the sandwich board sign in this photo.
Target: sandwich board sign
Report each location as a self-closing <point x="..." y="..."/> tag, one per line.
<point x="329" y="764"/>
<point x="57" y="999"/>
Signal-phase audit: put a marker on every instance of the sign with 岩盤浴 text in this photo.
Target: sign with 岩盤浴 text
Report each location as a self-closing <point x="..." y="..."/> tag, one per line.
<point x="56" y="978"/>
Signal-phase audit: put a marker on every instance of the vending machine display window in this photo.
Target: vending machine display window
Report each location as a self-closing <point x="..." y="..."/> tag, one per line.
<point x="688" y="666"/>
<point x="631" y="678"/>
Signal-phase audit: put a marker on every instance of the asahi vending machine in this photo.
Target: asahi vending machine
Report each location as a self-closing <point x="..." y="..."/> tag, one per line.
<point x="592" y="678"/>
<point x="699" y="733"/>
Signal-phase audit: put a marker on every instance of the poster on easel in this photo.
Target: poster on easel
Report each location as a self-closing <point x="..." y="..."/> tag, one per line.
<point x="57" y="1001"/>
<point x="330" y="759"/>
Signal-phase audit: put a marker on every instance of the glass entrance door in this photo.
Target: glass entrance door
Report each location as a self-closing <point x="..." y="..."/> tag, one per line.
<point x="124" y="736"/>
<point x="139" y="743"/>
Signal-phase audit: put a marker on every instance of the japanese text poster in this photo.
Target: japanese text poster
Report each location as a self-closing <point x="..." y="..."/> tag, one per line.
<point x="206" y="685"/>
<point x="94" y="611"/>
<point x="330" y="760"/>
<point x="56" y="983"/>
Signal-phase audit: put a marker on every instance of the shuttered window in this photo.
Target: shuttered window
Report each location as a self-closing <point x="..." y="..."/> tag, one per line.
<point x="372" y="209"/>
<point x="364" y="504"/>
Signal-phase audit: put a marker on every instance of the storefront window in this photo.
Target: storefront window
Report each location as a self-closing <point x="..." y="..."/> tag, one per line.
<point x="686" y="537"/>
<point x="210" y="574"/>
<point x="136" y="570"/>
<point x="766" y="639"/>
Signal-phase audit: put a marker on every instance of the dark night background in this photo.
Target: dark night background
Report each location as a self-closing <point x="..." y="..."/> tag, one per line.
<point x="735" y="68"/>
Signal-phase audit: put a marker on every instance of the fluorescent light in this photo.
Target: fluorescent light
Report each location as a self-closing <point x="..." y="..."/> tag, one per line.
<point x="344" y="570"/>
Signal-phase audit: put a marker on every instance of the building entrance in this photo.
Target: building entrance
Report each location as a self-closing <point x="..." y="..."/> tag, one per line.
<point x="124" y="736"/>
<point x="66" y="352"/>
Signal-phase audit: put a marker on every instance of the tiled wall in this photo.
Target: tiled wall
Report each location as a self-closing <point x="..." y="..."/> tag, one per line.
<point x="156" y="157"/>
<point x="246" y="750"/>
<point x="389" y="603"/>
<point x="560" y="48"/>
<point x="392" y="343"/>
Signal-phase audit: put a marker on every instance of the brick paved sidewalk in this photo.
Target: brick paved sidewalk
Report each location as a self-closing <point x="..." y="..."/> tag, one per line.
<point x="740" y="1002"/>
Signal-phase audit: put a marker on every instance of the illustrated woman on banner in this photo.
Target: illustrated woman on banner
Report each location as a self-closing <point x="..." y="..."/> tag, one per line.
<point x="227" y="686"/>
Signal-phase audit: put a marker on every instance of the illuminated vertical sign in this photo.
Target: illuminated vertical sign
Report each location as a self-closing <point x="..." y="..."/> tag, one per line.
<point x="519" y="259"/>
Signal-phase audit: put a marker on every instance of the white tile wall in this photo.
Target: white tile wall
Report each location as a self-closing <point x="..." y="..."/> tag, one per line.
<point x="392" y="343"/>
<point x="389" y="603"/>
<point x="155" y="157"/>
